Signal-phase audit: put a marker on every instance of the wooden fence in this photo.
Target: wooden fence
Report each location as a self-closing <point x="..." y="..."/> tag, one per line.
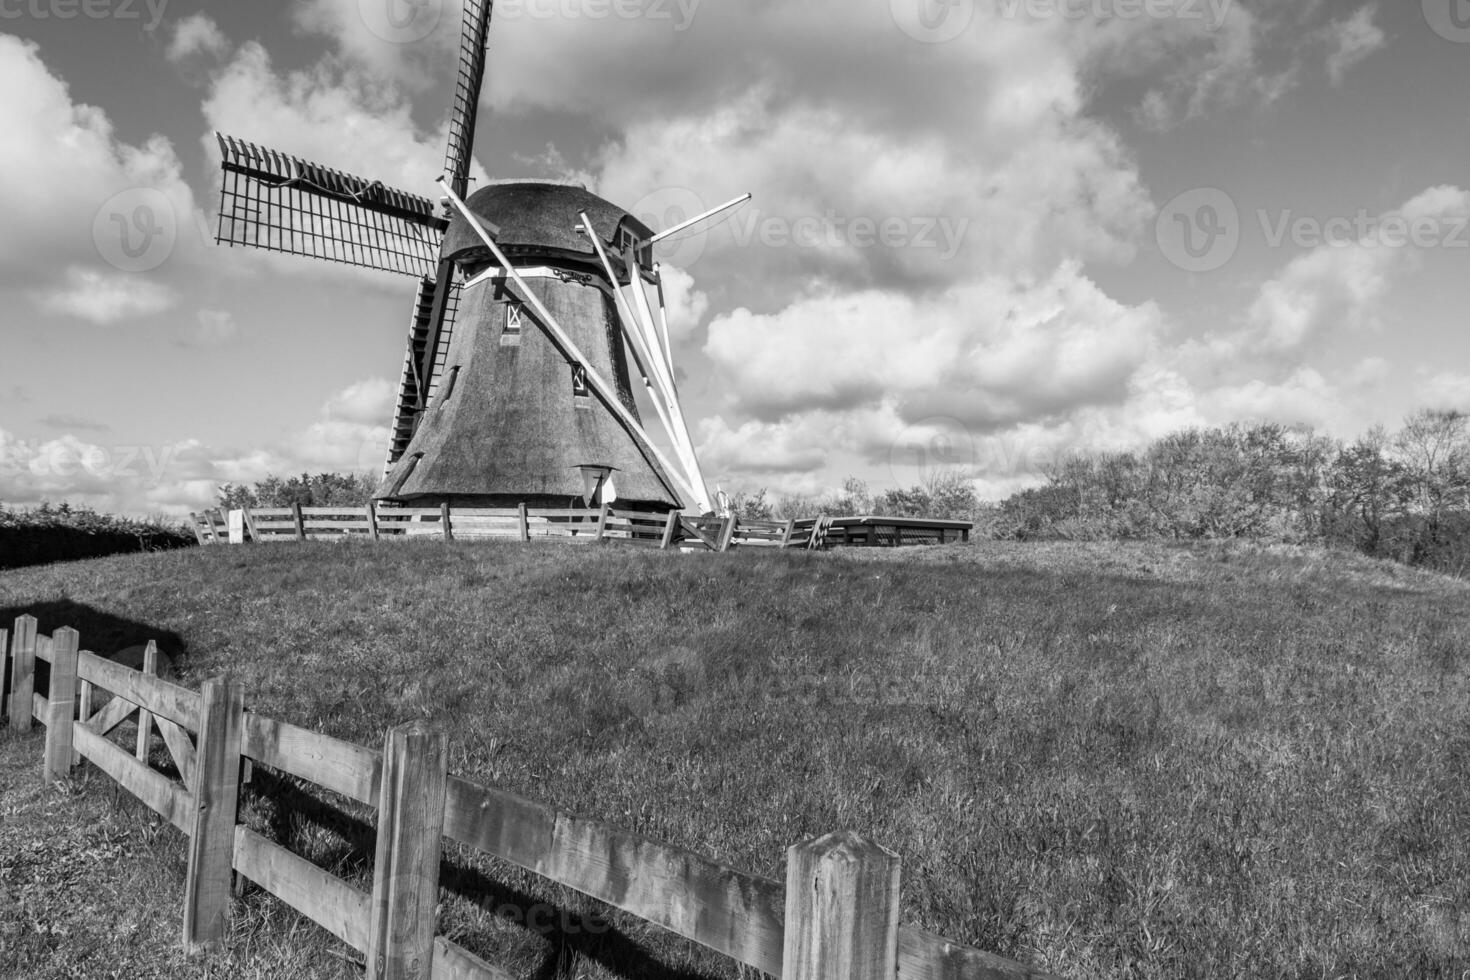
<point x="606" y="525"/>
<point x="836" y="915"/>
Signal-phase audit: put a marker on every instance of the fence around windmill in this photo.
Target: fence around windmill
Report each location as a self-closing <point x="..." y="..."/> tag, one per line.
<point x="837" y="914"/>
<point x="608" y="524"/>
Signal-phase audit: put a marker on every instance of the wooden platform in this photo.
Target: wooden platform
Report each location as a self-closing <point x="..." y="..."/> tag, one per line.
<point x="894" y="532"/>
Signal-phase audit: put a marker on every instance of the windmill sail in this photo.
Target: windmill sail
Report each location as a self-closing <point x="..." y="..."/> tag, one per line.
<point x="282" y="203"/>
<point x="411" y="387"/>
<point x="467" y="84"/>
<point x="428" y="343"/>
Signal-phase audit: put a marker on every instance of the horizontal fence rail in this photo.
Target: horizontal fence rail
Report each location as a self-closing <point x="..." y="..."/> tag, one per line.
<point x="836" y="915"/>
<point x="609" y="524"/>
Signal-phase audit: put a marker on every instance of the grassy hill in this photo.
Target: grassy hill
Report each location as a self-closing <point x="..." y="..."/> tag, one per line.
<point x="1112" y="761"/>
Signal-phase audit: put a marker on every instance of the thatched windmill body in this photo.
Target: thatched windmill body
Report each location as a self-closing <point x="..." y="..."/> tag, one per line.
<point x="516" y="384"/>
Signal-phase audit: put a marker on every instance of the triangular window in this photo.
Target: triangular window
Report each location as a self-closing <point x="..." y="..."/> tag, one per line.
<point x="510" y="334"/>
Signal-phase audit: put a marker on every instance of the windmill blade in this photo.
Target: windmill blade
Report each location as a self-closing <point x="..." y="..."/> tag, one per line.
<point x="416" y="392"/>
<point x="282" y="203"/>
<point x="472" y="47"/>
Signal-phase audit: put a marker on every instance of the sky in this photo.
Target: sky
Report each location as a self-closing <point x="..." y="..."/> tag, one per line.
<point x="985" y="234"/>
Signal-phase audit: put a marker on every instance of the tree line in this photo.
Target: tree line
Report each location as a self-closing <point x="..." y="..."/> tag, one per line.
<point x="1403" y="495"/>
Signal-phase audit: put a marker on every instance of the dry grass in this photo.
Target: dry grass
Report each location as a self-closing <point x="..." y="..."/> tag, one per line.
<point x="1113" y="761"/>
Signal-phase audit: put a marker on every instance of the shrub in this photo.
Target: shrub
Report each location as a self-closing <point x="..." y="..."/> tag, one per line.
<point x="61" y="532"/>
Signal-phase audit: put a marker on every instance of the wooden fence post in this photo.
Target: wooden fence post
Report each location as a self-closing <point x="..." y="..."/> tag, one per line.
<point x="525" y="522"/>
<point x="22" y="673"/>
<point x="216" y="793"/>
<point x="671" y="528"/>
<point x="4" y="673"/>
<point x="841" y="910"/>
<point x="406" y="866"/>
<point x="61" y="705"/>
<point x="727" y="532"/>
<point x="444" y="518"/>
<point x="300" y="522"/>
<point x="250" y="527"/>
<point x="602" y="516"/>
<point x="372" y="518"/>
<point x="145" y="717"/>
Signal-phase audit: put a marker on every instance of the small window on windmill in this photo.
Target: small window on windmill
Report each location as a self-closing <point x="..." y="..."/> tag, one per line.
<point x="510" y="336"/>
<point x="580" y="391"/>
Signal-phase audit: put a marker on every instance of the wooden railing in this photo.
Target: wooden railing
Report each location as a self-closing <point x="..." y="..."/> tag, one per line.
<point x="609" y="524"/>
<point x="836" y="915"/>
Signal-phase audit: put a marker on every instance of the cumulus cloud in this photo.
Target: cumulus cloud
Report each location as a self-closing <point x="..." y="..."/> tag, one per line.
<point x="196" y="36"/>
<point x="409" y="42"/>
<point x="54" y="201"/>
<point x="105" y="297"/>
<point x="991" y="354"/>
<point x="1342" y="282"/>
<point x="350" y="435"/>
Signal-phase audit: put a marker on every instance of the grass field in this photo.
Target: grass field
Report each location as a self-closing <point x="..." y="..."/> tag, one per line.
<point x="1111" y="761"/>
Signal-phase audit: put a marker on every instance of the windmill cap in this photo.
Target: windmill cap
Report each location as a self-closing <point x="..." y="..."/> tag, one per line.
<point x="539" y="218"/>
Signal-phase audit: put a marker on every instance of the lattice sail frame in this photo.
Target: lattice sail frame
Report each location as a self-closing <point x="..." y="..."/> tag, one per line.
<point x="281" y="203"/>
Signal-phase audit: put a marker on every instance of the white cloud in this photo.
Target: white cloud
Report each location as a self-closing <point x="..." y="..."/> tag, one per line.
<point x="1352" y="41"/>
<point x="63" y="164"/>
<point x="410" y="42"/>
<point x="105" y="297"/>
<point x="991" y="354"/>
<point x="686" y="305"/>
<point x="350" y="435"/>
<point x="1305" y="396"/>
<point x="1446" y="391"/>
<point x="194" y="36"/>
<point x="1343" y="285"/>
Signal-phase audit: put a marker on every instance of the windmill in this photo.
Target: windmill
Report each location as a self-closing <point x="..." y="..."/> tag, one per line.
<point x="531" y="295"/>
